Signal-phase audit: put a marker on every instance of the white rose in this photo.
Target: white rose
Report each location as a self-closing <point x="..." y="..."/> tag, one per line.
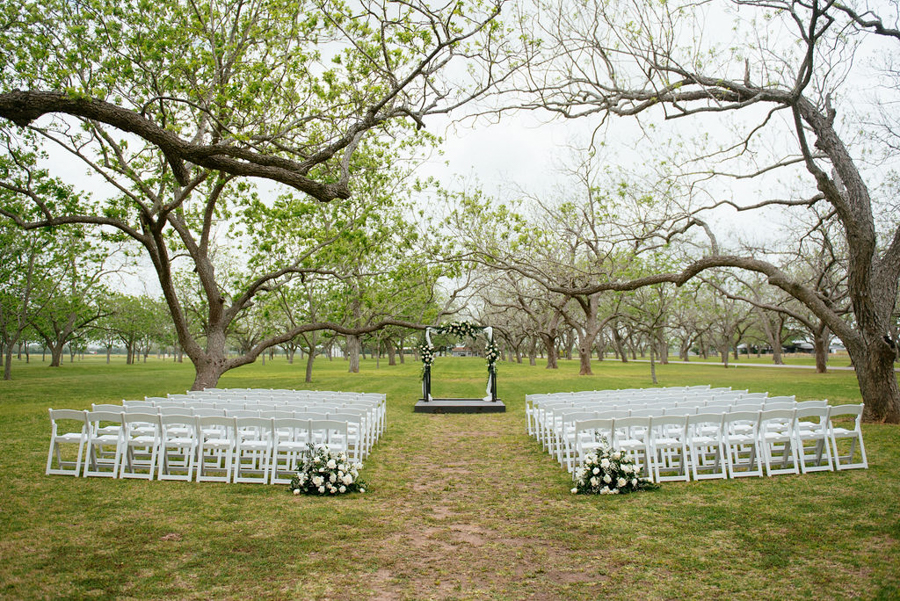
<point x="627" y="468"/>
<point x="574" y="491"/>
<point x="332" y="478"/>
<point x="634" y="481"/>
<point x="596" y="470"/>
<point x="333" y="490"/>
<point x="614" y="491"/>
<point x="362" y="490"/>
<point x="348" y="480"/>
<point x="607" y="478"/>
<point x="331" y="464"/>
<point x="617" y="455"/>
<point x="321" y="490"/>
<point x="318" y="480"/>
<point x="605" y="490"/>
<point x="296" y="491"/>
<point x="621" y="482"/>
<point x="342" y="489"/>
<point x="594" y="482"/>
<point x="604" y="463"/>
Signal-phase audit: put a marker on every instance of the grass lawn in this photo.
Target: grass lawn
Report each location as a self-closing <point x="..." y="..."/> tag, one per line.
<point x="459" y="507"/>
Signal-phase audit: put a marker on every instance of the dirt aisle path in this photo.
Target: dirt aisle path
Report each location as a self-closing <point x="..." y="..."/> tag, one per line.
<point x="471" y="512"/>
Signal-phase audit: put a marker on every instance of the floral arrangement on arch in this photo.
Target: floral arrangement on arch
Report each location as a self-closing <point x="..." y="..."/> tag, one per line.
<point x="608" y="472"/>
<point x="325" y="472"/>
<point x="427" y="354"/>
<point x="460" y="330"/>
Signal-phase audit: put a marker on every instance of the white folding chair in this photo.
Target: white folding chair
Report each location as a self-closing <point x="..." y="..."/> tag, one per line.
<point x="631" y="436"/>
<point x="216" y="442"/>
<point x="292" y="438"/>
<point x="777" y="440"/>
<point x="67" y="427"/>
<point x="706" y="444"/>
<point x="178" y="445"/>
<point x="811" y="438"/>
<point x="140" y="447"/>
<point x="253" y="449"/>
<point x="329" y="433"/>
<point x="742" y="454"/>
<point x="668" y="438"/>
<point x="590" y="435"/>
<point x="357" y="432"/>
<point x="847" y="460"/>
<point x="104" y="444"/>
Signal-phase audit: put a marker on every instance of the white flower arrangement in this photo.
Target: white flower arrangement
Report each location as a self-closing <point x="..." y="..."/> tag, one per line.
<point x="324" y="472"/>
<point x="608" y="472"/>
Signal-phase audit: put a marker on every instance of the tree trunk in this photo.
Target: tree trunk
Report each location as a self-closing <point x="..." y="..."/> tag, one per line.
<point x="353" y="353"/>
<point x="392" y="353"/>
<point x="7" y="362"/>
<point x="310" y="359"/>
<point x="585" y="344"/>
<point x="652" y="363"/>
<point x="819" y="340"/>
<point x="620" y="348"/>
<point x="56" y="353"/>
<point x="550" y="344"/>
<point x="877" y="381"/>
<point x="663" y="348"/>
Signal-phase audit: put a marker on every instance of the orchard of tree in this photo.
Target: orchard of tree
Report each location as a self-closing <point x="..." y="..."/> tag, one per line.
<point x="260" y="158"/>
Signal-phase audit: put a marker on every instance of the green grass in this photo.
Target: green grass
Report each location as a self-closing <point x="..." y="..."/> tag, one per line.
<point x="460" y="507"/>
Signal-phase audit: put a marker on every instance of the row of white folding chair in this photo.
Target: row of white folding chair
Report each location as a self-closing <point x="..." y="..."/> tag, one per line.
<point x="537" y="404"/>
<point x="533" y="401"/>
<point x="179" y="447"/>
<point x="543" y="419"/>
<point x="561" y="442"/>
<point x="362" y="419"/>
<point x="377" y="410"/>
<point x="733" y="444"/>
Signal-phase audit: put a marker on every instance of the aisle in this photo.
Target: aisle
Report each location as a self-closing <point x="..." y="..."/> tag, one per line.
<point x="470" y="484"/>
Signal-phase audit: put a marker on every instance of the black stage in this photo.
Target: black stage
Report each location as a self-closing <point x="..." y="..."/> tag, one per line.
<point x="459" y="406"/>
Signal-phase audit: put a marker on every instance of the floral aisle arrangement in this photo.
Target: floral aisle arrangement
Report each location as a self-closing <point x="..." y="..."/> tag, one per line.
<point x="324" y="472"/>
<point x="608" y="472"/>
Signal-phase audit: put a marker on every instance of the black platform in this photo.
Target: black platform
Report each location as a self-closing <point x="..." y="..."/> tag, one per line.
<point x="459" y="406"/>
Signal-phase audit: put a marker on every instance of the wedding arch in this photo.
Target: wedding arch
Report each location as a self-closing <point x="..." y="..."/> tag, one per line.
<point x="491" y="354"/>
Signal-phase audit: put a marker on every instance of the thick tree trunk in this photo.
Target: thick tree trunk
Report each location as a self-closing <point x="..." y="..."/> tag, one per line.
<point x="584" y="359"/>
<point x="56" y="353"/>
<point x="353" y="353"/>
<point x="550" y="345"/>
<point x="877" y="381"/>
<point x="392" y="353"/>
